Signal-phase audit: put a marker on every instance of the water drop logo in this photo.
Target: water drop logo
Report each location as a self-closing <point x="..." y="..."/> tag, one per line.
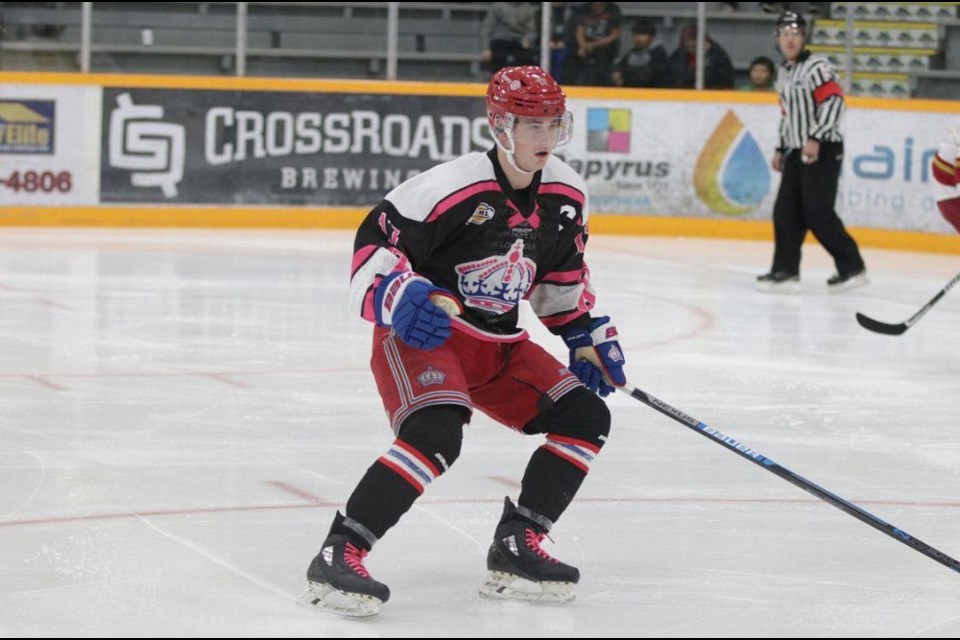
<point x="731" y="175"/>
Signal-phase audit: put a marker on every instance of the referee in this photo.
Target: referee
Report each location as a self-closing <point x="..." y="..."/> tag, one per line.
<point x="809" y="155"/>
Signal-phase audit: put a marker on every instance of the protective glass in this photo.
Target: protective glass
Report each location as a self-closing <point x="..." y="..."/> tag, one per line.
<point x="525" y="130"/>
<point x="790" y="30"/>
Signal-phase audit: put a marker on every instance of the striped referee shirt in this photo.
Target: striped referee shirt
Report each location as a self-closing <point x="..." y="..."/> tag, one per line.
<point x="810" y="100"/>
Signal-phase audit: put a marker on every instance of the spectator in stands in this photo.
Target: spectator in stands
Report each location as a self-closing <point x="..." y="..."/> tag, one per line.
<point x="563" y="37"/>
<point x="717" y="69"/>
<point x="41" y="29"/>
<point x="645" y="65"/>
<point x="762" y="74"/>
<point x="598" y="42"/>
<point x="510" y="31"/>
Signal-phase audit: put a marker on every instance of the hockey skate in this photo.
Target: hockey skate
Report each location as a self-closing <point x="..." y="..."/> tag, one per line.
<point x="520" y="569"/>
<point x="846" y="282"/>
<point x="338" y="582"/>
<point x="778" y="282"/>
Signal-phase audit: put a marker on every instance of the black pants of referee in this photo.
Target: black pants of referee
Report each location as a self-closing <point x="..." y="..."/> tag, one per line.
<point x="808" y="193"/>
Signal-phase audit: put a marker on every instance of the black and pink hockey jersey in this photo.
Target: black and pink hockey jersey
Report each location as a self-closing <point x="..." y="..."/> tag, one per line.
<point x="463" y="227"/>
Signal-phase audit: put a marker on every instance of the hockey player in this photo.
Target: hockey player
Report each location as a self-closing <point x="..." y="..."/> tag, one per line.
<point x="946" y="175"/>
<point x="440" y="267"/>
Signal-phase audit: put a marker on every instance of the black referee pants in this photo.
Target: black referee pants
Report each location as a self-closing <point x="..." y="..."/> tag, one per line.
<point x="808" y="193"/>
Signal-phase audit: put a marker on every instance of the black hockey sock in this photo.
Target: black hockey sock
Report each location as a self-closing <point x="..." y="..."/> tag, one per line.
<point x="549" y="484"/>
<point x="378" y="503"/>
<point x="576" y="428"/>
<point x="428" y="445"/>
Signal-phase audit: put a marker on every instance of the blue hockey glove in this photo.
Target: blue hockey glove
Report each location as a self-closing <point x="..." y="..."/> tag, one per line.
<point x="596" y="357"/>
<point x="403" y="302"/>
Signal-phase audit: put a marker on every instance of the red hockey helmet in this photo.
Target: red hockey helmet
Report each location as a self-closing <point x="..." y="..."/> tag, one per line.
<point x="525" y="91"/>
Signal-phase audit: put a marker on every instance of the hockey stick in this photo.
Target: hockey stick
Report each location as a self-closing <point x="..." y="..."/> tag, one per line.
<point x="791" y="477"/>
<point x="896" y="329"/>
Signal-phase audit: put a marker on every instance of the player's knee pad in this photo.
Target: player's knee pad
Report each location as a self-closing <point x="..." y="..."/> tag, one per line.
<point x="435" y="433"/>
<point x="579" y="415"/>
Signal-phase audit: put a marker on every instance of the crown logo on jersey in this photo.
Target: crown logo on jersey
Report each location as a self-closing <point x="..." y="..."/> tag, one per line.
<point x="497" y="283"/>
<point x="483" y="213"/>
<point x="431" y="376"/>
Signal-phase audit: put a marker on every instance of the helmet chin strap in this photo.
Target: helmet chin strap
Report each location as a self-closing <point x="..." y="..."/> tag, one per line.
<point x="509" y="152"/>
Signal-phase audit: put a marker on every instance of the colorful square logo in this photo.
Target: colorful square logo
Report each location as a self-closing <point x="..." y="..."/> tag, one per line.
<point x="608" y="130"/>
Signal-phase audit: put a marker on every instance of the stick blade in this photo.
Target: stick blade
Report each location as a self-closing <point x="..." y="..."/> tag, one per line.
<point x="881" y="327"/>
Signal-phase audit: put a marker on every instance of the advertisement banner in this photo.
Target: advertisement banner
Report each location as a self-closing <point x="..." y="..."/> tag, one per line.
<point x="49" y="144"/>
<point x="653" y="158"/>
<point x="664" y="158"/>
<point x="886" y="180"/>
<point x="713" y="160"/>
<point x="277" y="148"/>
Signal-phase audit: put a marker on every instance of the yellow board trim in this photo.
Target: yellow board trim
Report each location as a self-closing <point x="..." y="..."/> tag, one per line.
<point x="186" y="217"/>
<point x="891" y="51"/>
<point x="874" y="24"/>
<point x="876" y="75"/>
<point x="219" y="83"/>
<point x="349" y="218"/>
<point x="441" y="89"/>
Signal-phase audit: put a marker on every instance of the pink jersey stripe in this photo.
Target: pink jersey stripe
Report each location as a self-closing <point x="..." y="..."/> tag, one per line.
<point x="361" y="256"/>
<point x="456" y="198"/>
<point x="563" y="190"/>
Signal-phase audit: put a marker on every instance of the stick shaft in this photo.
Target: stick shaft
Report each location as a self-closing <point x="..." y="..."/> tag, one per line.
<point x="793" y="478"/>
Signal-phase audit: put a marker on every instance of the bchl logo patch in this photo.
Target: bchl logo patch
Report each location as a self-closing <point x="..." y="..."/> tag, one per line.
<point x="431" y="376"/>
<point x="483" y="213"/>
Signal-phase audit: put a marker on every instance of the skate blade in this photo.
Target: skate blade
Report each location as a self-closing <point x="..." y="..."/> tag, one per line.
<point x="853" y="283"/>
<point x="788" y="288"/>
<point x="504" y="586"/>
<point x="351" y="605"/>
